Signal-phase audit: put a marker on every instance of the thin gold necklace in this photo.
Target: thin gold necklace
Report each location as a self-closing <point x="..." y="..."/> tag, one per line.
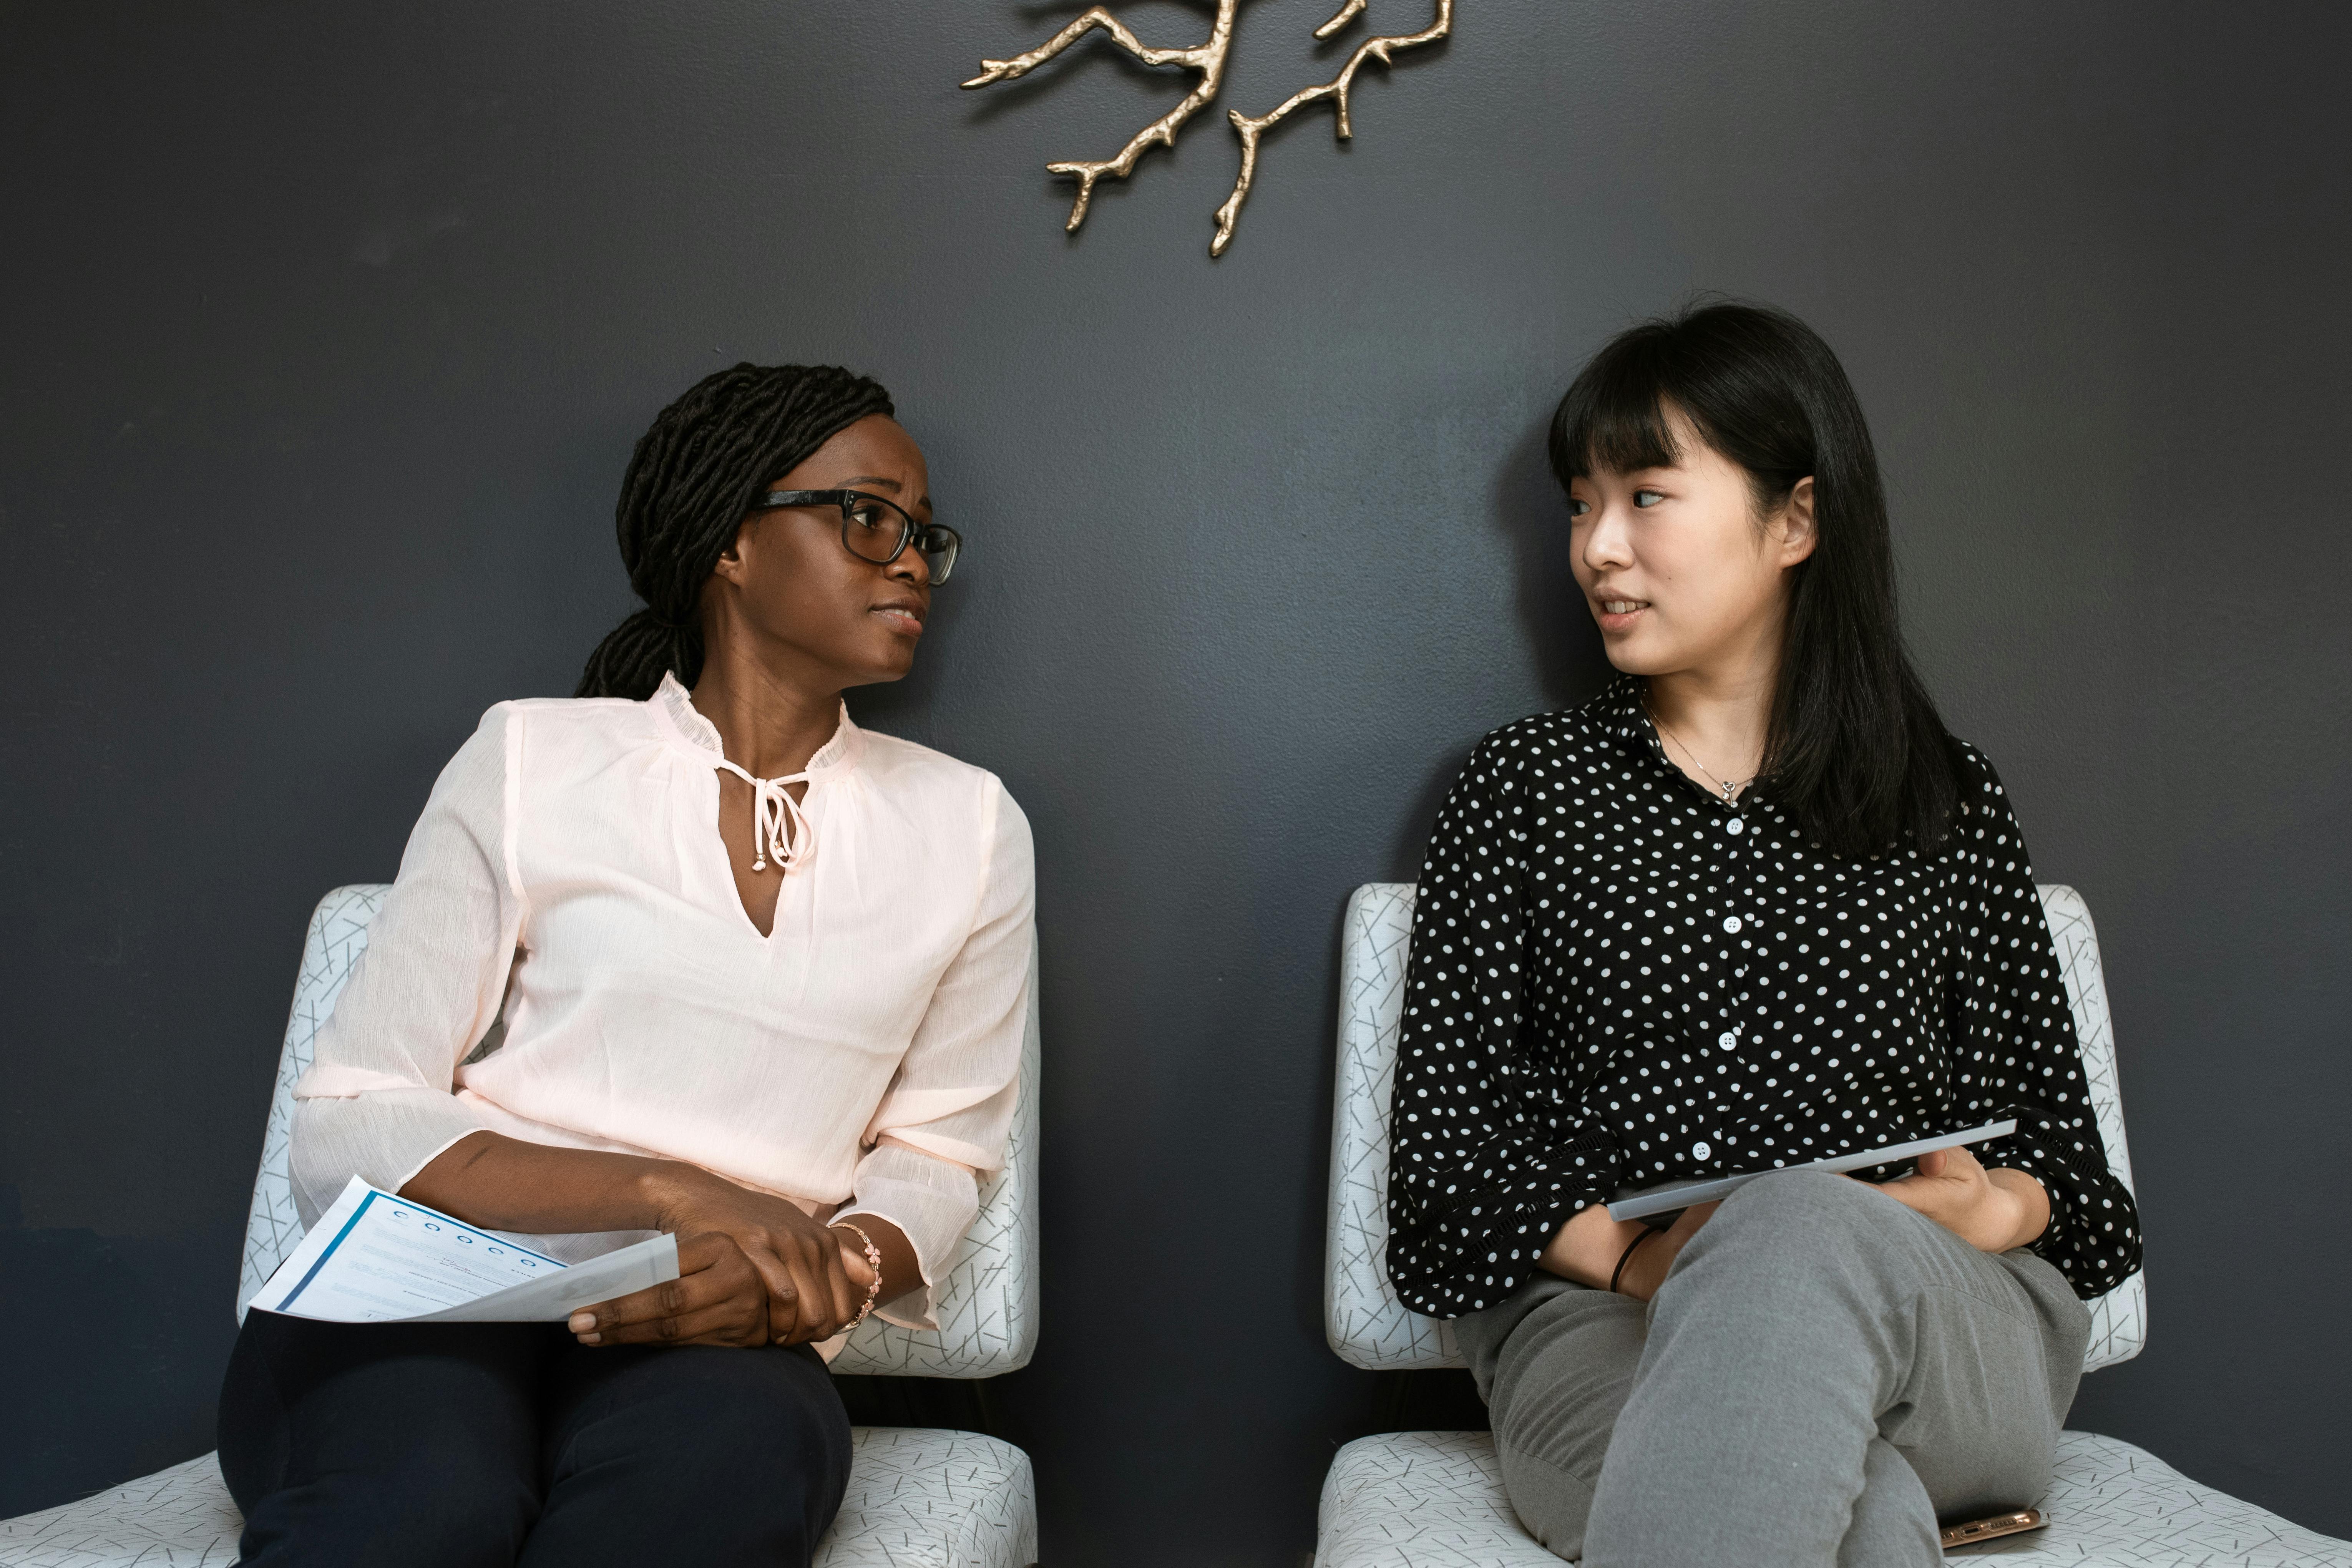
<point x="1730" y="791"/>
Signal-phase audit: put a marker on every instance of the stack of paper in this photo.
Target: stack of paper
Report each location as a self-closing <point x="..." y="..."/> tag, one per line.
<point x="377" y="1259"/>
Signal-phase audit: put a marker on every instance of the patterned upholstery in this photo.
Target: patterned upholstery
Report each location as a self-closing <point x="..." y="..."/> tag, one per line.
<point x="1434" y="1500"/>
<point x="2120" y="1318"/>
<point x="179" y="1517"/>
<point x="921" y="1498"/>
<point x="337" y="936"/>
<point x="917" y="1499"/>
<point x="987" y="1306"/>
<point x="1420" y="1500"/>
<point x="1362" y="1318"/>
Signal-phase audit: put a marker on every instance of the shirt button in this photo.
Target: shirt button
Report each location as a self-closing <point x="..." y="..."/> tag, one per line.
<point x="1735" y="827"/>
<point x="1701" y="1150"/>
<point x="1728" y="1039"/>
<point x="1731" y="925"/>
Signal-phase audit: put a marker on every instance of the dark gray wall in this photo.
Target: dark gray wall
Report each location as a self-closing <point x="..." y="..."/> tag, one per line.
<point x="324" y="330"/>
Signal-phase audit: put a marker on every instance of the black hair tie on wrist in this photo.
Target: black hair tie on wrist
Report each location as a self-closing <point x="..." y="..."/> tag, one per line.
<point x="1627" y="1256"/>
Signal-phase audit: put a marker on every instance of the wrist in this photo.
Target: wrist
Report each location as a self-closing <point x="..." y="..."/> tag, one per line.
<point x="666" y="1189"/>
<point x="1626" y="1260"/>
<point x="1588" y="1247"/>
<point x="2027" y="1204"/>
<point x="862" y="1257"/>
<point x="1647" y="1270"/>
<point x="862" y="1271"/>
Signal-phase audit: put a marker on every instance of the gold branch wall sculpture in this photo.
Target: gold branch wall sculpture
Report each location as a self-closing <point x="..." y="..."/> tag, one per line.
<point x="1210" y="59"/>
<point x="1381" y="49"/>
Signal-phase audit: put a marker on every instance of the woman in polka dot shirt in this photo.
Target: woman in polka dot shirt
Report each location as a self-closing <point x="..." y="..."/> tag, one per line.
<point x="1750" y="907"/>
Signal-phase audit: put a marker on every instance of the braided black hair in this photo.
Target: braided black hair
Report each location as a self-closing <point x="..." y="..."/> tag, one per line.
<point x="691" y="483"/>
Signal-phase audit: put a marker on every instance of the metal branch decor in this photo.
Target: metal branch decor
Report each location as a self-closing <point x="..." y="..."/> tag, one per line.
<point x="1209" y="60"/>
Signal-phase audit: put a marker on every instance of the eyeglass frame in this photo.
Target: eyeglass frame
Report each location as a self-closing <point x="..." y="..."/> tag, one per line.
<point x="909" y="531"/>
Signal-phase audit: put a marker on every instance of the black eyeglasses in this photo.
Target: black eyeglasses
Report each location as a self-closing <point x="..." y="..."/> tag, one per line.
<point x="876" y="530"/>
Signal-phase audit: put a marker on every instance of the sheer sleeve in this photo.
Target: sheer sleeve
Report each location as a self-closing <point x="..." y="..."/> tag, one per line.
<point x="944" y="1119"/>
<point x="2014" y="1045"/>
<point x="379" y="1100"/>
<point x="1488" y="1157"/>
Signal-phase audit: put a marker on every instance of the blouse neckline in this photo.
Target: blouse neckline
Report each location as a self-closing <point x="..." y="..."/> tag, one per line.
<point x="782" y="830"/>
<point x="683" y="727"/>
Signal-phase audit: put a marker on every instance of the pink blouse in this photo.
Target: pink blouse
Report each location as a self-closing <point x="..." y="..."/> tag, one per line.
<point x="564" y="958"/>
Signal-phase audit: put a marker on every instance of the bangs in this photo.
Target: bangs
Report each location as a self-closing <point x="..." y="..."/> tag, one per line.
<point x="1613" y="419"/>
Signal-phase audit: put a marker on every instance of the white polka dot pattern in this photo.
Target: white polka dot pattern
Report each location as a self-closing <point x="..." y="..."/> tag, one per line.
<point x="1366" y="1325"/>
<point x="1609" y="985"/>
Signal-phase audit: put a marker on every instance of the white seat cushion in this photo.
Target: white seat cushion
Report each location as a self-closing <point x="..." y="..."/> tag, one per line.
<point x="1434" y="1500"/>
<point x="917" y="1499"/>
<point x="1420" y="1500"/>
<point x="179" y="1517"/>
<point x="923" y="1498"/>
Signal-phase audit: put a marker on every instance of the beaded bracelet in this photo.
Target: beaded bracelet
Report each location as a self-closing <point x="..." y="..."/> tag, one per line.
<point x="873" y="1262"/>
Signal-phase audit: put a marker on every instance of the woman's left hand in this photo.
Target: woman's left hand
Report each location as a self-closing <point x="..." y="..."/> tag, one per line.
<point x="1992" y="1211"/>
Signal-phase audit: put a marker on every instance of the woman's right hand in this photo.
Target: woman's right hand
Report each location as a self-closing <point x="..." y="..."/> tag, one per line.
<point x="753" y="1271"/>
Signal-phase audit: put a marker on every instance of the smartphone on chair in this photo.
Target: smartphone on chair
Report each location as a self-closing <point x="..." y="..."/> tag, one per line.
<point x="2016" y="1522"/>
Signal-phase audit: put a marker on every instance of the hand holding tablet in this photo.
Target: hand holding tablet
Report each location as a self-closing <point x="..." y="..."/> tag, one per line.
<point x="1637" y="1204"/>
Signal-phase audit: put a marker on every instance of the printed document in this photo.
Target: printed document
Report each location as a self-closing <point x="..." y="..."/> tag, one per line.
<point x="1631" y="1204"/>
<point x="377" y="1259"/>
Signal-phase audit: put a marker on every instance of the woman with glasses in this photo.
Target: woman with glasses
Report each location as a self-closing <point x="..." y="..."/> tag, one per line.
<point x="689" y="953"/>
<point x="1751" y="908"/>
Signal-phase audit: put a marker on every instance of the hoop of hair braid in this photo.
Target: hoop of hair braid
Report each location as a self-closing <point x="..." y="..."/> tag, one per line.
<point x="691" y="483"/>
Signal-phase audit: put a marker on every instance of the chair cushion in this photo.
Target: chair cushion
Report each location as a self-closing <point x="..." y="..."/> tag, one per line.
<point x="2114" y="1506"/>
<point x="1420" y="1500"/>
<point x="917" y="1499"/>
<point x="1434" y="1500"/>
<point x="924" y="1498"/>
<point x="179" y="1517"/>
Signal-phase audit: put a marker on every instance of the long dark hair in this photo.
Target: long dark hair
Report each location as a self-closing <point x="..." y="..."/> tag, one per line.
<point x="691" y="483"/>
<point x="1856" y="753"/>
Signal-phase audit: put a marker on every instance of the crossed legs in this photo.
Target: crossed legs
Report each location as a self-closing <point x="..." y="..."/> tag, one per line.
<point x="1822" y="1376"/>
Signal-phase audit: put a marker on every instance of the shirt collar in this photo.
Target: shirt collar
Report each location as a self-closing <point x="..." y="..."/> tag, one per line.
<point x="683" y="727"/>
<point x="1627" y="716"/>
<point x="1625" y="713"/>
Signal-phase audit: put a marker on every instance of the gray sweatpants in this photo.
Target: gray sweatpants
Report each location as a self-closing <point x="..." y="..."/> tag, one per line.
<point x="1823" y="1376"/>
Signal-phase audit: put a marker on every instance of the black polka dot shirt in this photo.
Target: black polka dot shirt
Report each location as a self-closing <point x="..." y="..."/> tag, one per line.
<point x="1618" y="978"/>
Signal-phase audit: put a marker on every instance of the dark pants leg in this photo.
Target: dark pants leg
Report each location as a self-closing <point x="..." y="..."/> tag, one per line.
<point x="688" y="1454"/>
<point x="485" y="1446"/>
<point x="365" y="1444"/>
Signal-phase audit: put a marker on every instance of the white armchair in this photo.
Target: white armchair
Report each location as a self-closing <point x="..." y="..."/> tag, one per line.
<point x="1434" y="1500"/>
<point x="917" y="1499"/>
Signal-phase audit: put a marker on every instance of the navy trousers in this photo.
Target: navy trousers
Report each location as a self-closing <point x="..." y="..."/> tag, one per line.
<point x="500" y="1445"/>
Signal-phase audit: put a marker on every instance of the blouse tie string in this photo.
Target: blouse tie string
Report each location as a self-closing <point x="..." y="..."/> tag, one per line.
<point x="780" y="830"/>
